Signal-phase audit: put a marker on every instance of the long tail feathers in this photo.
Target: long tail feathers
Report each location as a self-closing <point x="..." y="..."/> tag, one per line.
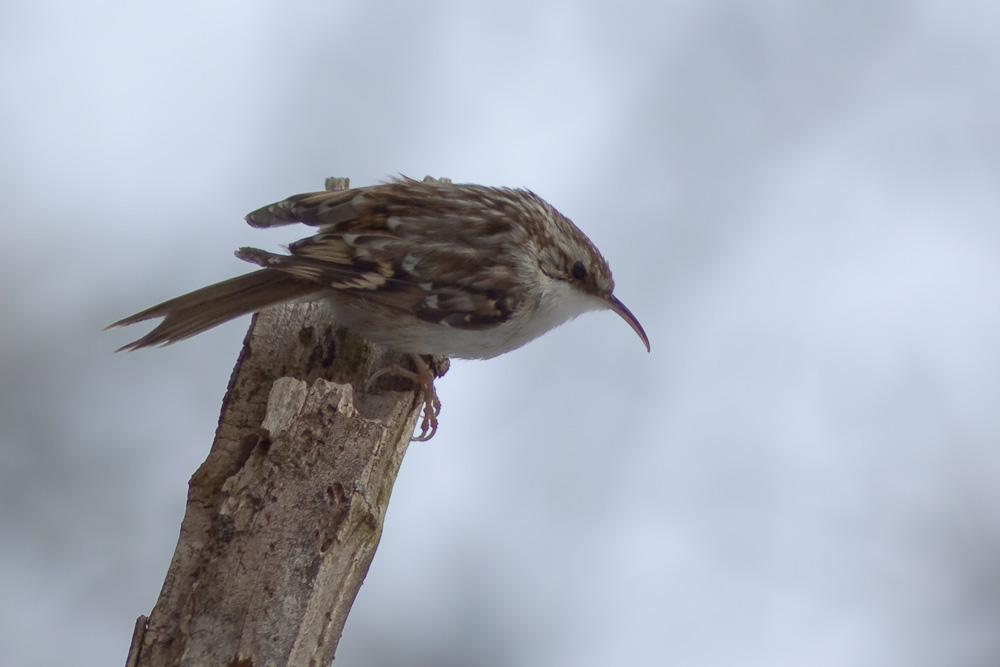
<point x="210" y="306"/>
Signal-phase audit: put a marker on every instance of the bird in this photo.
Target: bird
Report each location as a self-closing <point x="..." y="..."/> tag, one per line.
<point x="421" y="267"/>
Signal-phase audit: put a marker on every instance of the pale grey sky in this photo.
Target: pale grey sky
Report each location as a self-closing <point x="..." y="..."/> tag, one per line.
<point x="799" y="201"/>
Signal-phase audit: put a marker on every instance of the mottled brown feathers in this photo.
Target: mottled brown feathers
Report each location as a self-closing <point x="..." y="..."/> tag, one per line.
<point x="412" y="264"/>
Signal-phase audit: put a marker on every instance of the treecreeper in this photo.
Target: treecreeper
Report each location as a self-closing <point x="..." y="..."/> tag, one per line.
<point x="424" y="268"/>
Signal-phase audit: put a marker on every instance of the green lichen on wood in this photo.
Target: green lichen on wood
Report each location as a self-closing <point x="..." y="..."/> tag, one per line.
<point x="354" y="352"/>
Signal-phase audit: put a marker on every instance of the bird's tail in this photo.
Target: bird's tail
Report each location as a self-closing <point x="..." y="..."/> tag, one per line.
<point x="210" y="306"/>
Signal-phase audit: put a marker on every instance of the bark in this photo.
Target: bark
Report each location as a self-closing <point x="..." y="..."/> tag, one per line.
<point x="284" y="516"/>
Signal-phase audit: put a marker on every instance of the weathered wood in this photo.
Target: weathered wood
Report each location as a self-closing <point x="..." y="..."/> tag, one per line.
<point x="284" y="516"/>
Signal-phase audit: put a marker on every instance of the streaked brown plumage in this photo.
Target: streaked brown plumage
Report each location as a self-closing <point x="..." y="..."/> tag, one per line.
<point x="421" y="267"/>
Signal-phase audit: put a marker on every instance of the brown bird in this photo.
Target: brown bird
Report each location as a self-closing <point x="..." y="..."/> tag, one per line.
<point x="425" y="268"/>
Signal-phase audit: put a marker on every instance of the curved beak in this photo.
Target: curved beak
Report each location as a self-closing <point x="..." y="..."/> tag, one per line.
<point x="619" y="307"/>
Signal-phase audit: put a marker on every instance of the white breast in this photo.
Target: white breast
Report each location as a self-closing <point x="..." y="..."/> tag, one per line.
<point x="559" y="303"/>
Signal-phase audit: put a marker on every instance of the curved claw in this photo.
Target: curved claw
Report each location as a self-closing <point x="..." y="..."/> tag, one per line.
<point x="423" y="381"/>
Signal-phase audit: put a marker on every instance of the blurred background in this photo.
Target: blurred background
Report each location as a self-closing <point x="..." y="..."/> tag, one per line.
<point x="800" y="201"/>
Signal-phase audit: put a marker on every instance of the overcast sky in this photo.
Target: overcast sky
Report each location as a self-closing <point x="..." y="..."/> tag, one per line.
<point x="800" y="202"/>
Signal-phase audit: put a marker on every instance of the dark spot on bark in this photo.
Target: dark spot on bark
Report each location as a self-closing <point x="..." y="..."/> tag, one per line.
<point x="306" y="336"/>
<point x="224" y="527"/>
<point x="249" y="442"/>
<point x="324" y="350"/>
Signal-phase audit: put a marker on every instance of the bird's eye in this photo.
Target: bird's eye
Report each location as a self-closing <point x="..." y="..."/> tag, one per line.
<point x="578" y="270"/>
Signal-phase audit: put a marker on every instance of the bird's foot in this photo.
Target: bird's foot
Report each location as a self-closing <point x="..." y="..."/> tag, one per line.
<point x="423" y="383"/>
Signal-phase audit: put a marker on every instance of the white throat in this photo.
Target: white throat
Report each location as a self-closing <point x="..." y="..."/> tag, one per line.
<point x="560" y="302"/>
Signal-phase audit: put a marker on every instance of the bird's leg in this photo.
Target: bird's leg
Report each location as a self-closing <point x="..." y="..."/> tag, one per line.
<point x="423" y="383"/>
